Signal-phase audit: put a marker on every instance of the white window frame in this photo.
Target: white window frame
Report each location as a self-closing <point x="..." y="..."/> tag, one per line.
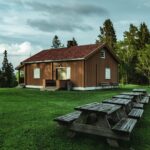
<point x="102" y="51"/>
<point x="68" y="73"/>
<point x="107" y="73"/>
<point x="36" y="73"/>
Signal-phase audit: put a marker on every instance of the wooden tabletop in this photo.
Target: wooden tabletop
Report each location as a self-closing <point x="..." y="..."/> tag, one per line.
<point x="118" y="101"/>
<point x="124" y="96"/>
<point x="139" y="90"/>
<point x="131" y="93"/>
<point x="99" y="107"/>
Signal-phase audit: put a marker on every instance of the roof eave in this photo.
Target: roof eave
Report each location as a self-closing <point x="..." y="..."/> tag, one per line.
<point x="45" y="61"/>
<point x="20" y="66"/>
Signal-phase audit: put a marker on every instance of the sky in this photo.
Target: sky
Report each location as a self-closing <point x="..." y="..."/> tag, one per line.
<point x="28" y="26"/>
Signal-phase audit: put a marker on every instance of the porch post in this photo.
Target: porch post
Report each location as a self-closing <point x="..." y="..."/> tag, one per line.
<point x="19" y="76"/>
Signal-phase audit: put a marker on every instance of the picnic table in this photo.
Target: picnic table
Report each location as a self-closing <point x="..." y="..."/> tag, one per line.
<point x="124" y="96"/>
<point x="140" y="90"/>
<point x="128" y="108"/>
<point x="113" y="119"/>
<point x="129" y="97"/>
<point x="102" y="119"/>
<point x="138" y="97"/>
<point x="125" y="103"/>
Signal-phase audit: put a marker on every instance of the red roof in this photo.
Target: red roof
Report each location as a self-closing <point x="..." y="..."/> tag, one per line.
<point x="64" y="54"/>
<point x="73" y="52"/>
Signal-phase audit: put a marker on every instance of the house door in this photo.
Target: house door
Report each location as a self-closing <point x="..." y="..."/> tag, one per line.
<point x="63" y="73"/>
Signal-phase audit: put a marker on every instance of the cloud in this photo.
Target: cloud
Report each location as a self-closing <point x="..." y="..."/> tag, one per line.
<point x="146" y="4"/>
<point x="76" y="9"/>
<point x="125" y="22"/>
<point x="23" y="48"/>
<point x="48" y="26"/>
<point x="18" y="52"/>
<point x="52" y="18"/>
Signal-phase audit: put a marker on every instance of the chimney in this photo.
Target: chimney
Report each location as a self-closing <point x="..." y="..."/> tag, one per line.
<point x="70" y="43"/>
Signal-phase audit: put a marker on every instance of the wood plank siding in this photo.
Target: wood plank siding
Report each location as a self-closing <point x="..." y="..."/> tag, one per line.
<point x="95" y="69"/>
<point x="48" y="71"/>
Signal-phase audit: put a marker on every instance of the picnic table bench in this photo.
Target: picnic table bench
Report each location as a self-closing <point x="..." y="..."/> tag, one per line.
<point x="138" y="105"/>
<point x="136" y="113"/>
<point x="125" y="125"/>
<point x="105" y="84"/>
<point x="145" y="100"/>
<point x="66" y="120"/>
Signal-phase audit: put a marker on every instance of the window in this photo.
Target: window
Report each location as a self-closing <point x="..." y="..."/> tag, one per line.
<point x="21" y="74"/>
<point x="102" y="53"/>
<point x="107" y="73"/>
<point x="36" y="73"/>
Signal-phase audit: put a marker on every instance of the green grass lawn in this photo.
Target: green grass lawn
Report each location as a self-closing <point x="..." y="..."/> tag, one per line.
<point x="26" y="121"/>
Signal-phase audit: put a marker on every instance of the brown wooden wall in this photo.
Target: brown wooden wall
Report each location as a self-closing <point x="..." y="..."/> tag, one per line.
<point x="77" y="71"/>
<point x="48" y="71"/>
<point x="45" y="69"/>
<point x="95" y="69"/>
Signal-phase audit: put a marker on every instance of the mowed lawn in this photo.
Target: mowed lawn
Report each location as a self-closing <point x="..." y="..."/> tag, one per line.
<point x="26" y="121"/>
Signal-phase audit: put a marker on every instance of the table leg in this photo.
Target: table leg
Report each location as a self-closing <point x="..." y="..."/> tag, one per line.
<point x="112" y="142"/>
<point x="71" y="134"/>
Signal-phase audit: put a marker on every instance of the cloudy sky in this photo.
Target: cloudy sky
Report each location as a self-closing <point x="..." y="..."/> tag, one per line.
<point x="28" y="26"/>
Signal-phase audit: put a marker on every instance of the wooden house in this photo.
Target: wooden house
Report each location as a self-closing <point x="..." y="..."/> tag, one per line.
<point x="84" y="67"/>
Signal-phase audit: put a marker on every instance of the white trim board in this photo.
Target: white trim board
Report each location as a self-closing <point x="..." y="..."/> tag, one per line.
<point x="34" y="86"/>
<point x="92" y="88"/>
<point x="78" y="88"/>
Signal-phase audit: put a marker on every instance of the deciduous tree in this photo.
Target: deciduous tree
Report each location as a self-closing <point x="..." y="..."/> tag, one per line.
<point x="74" y="41"/>
<point x="143" y="65"/>
<point x="56" y="42"/>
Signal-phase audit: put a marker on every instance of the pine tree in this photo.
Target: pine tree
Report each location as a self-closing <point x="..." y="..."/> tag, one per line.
<point x="1" y="78"/>
<point x="107" y="34"/>
<point x="5" y="62"/>
<point x="56" y="42"/>
<point x="7" y="72"/>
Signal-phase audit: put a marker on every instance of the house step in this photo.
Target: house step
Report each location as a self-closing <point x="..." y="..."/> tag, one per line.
<point x="49" y="88"/>
<point x="22" y="85"/>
